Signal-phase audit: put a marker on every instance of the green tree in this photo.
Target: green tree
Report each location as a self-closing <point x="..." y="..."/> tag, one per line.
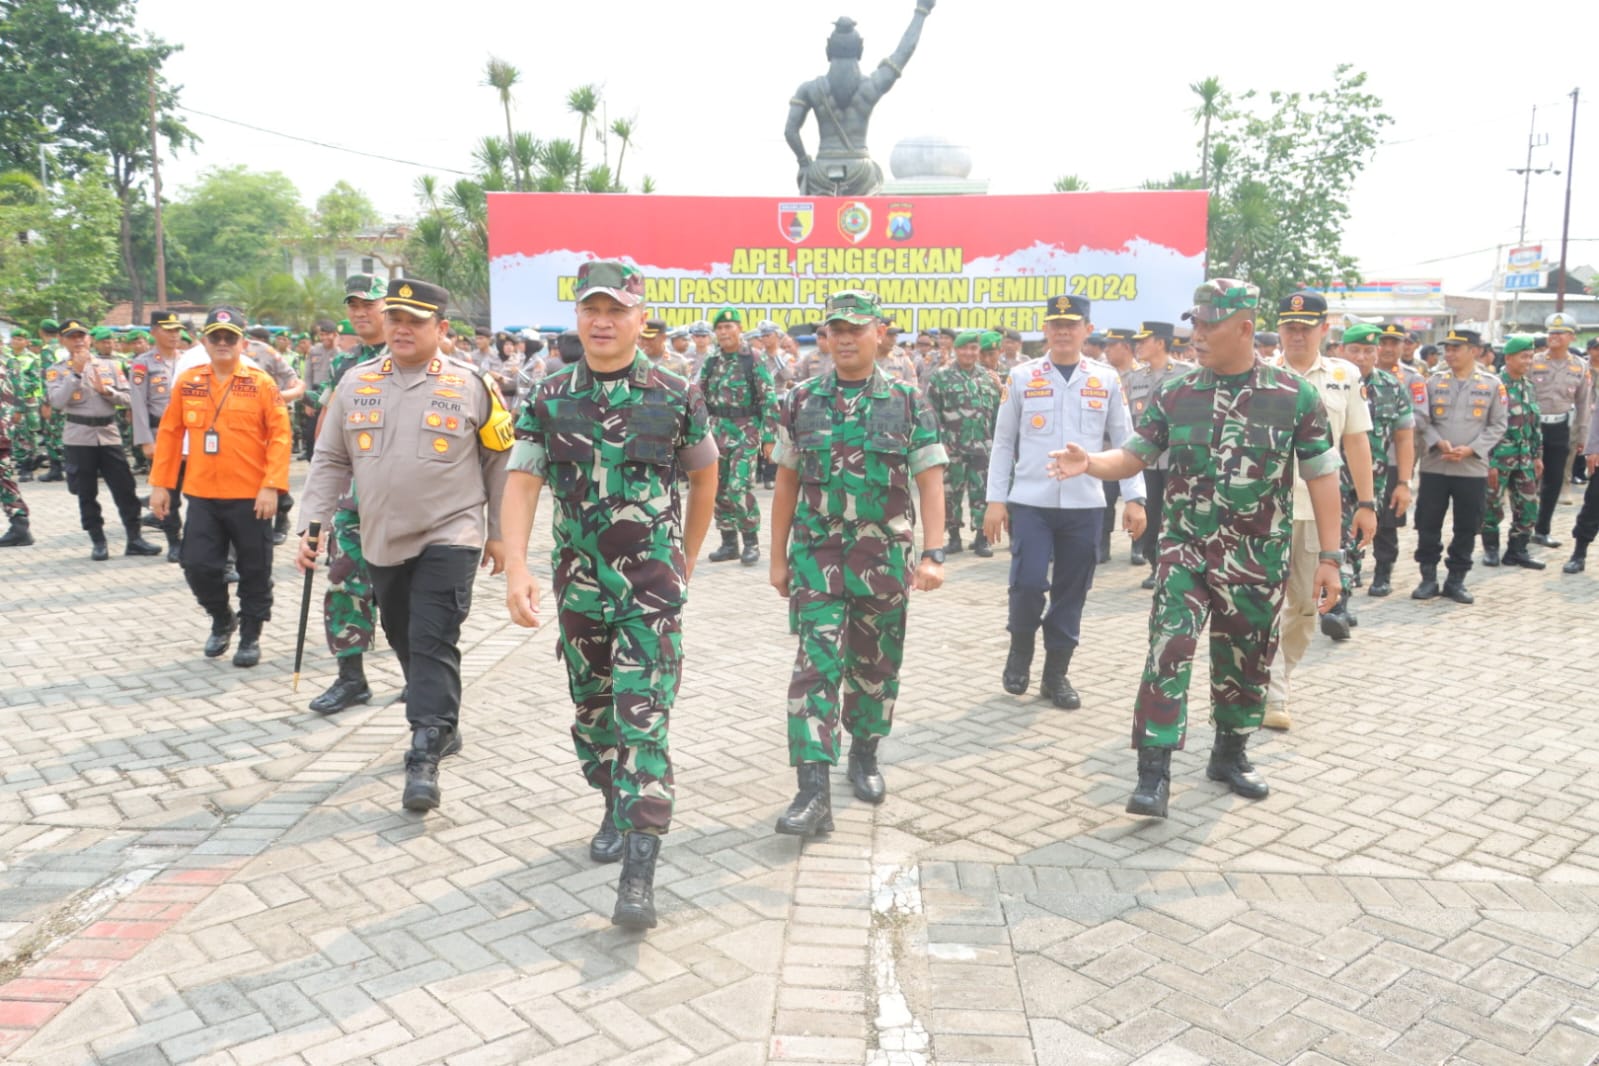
<point x="622" y="129"/>
<point x="583" y="101"/>
<point x="1070" y="183"/>
<point x="1212" y="101"/>
<point x="58" y="253"/>
<point x="501" y="76"/>
<point x="342" y="213"/>
<point x="233" y="224"/>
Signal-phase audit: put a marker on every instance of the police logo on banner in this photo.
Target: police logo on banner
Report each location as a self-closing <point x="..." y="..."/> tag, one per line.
<point x="795" y="221"/>
<point x="899" y="222"/>
<point x="855" y="221"/>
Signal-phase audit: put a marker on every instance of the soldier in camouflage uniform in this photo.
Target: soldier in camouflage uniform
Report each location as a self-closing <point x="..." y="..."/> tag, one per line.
<point x="966" y="401"/>
<point x="1234" y="428"/>
<point x="1515" y="466"/>
<point x="1392" y="344"/>
<point x="11" y="501"/>
<point x="742" y="400"/>
<point x="28" y="385"/>
<point x="853" y="444"/>
<point x="1393" y="446"/>
<point x="609" y="433"/>
<point x="52" y="420"/>
<point x="349" y="610"/>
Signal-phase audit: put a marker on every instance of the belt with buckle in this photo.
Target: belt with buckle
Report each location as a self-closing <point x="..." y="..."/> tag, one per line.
<point x="1550" y="420"/>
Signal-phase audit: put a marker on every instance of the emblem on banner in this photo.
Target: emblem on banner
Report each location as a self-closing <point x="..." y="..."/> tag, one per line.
<point x="899" y="222"/>
<point x="855" y="221"/>
<point x="794" y="221"/>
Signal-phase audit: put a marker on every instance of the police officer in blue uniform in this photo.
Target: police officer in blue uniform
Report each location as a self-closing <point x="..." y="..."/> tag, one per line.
<point x="1061" y="398"/>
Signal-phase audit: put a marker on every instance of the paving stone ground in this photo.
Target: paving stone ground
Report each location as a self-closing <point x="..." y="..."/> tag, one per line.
<point x="196" y="869"/>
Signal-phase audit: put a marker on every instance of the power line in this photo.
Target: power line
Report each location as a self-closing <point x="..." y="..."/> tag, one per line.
<point x="322" y="144"/>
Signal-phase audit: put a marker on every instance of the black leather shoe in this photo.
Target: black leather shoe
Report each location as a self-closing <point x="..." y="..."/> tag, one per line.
<point x="1428" y="589"/>
<point x="752" y="549"/>
<point x="864" y="776"/>
<point x="635" y="889"/>
<point x="221" y="636"/>
<point x="1516" y="555"/>
<point x="1018" y="665"/>
<point x="347" y="690"/>
<point x="606" y="845"/>
<point x="812" y="810"/>
<point x="981" y="548"/>
<point x="249" y="651"/>
<point x="1382" y="580"/>
<point x="1054" y="684"/>
<point x="1490" y="555"/>
<point x="19" y="535"/>
<point x="1544" y="540"/>
<point x="174" y="549"/>
<point x="729" y="549"/>
<point x="1153" y="790"/>
<point x="99" y="552"/>
<point x="1138" y="557"/>
<point x="1148" y="583"/>
<point x="952" y="543"/>
<point x="1455" y="589"/>
<point x="1229" y="763"/>
<point x="1575" y="565"/>
<point x="149" y="521"/>
<point x="1336" y="623"/>
<point x="137" y="545"/>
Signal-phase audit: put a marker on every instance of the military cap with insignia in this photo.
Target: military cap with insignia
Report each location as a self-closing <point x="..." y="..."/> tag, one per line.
<point x="1163" y="330"/>
<point x="419" y="299"/>
<point x="102" y="333"/>
<point x="701" y="328"/>
<point x="1302" y="306"/>
<point x="855" y="306"/>
<point x="1560" y="322"/>
<point x="1462" y="336"/>
<point x="1012" y="335"/>
<point x="727" y="314"/>
<point x="1361" y="333"/>
<point x="767" y="328"/>
<point x="71" y="325"/>
<point x="1267" y="340"/>
<point x="1066" y="308"/>
<point x="1393" y="330"/>
<point x="164" y="320"/>
<point x="677" y="331"/>
<point x="613" y="278"/>
<point x="1117" y="335"/>
<point x="970" y="336"/>
<point x="345" y="328"/>
<point x="258" y="332"/>
<point x="990" y="339"/>
<point x="1098" y="338"/>
<point x="49" y="325"/>
<point x="1220" y="299"/>
<point x="653" y="327"/>
<point x="1518" y="342"/>
<point x="223" y="319"/>
<point x="364" y="287"/>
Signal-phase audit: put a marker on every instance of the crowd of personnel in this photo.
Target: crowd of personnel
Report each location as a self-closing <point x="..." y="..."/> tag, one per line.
<point x="1255" y="470"/>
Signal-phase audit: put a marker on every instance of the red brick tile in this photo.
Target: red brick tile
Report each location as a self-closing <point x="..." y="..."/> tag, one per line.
<point x="18" y="1014"/>
<point x="99" y="949"/>
<point x="171" y="893"/>
<point x="52" y="990"/>
<point x="196" y="877"/>
<point x="11" y="1039"/>
<point x="71" y="969"/>
<point x="125" y="930"/>
<point x="130" y="911"/>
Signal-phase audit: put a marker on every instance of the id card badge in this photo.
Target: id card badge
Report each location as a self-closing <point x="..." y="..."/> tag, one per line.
<point x="213" y="442"/>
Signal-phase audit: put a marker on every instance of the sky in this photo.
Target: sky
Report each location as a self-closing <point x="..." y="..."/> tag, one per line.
<point x="1035" y="89"/>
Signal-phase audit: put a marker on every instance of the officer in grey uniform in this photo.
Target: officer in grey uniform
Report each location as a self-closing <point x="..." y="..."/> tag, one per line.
<point x="426" y="442"/>
<point x="1061" y="398"/>
<point x="1466" y="416"/>
<point x="150" y="380"/>
<point x="292" y="390"/>
<point x="699" y="335"/>
<point x="1155" y="367"/>
<point x="88" y="391"/>
<point x="1560" y="380"/>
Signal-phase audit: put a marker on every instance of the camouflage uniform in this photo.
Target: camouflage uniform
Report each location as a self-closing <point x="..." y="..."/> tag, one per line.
<point x="11" y="501"/>
<point x="1389" y="402"/>
<point x="1225" y="537"/>
<point x="858" y="452"/>
<point x="27" y="384"/>
<point x="349" y="612"/>
<point x="742" y="401"/>
<point x="1513" y="458"/>
<point x="609" y="451"/>
<point x="966" y="404"/>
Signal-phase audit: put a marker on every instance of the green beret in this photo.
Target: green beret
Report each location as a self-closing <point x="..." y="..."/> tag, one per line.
<point x="102" y="333"/>
<point x="728" y="314"/>
<point x="1519" y="342"/>
<point x="971" y="336"/>
<point x="1361" y="333"/>
<point x="991" y="339"/>
<point x="345" y="329"/>
<point x="49" y="325"/>
<point x="22" y="333"/>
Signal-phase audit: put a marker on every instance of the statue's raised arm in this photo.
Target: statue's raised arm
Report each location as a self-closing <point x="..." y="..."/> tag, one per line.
<point x="843" y="100"/>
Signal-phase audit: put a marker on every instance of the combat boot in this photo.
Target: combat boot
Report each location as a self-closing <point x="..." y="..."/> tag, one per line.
<point x="280" y="528"/>
<point x="1578" y="560"/>
<point x="428" y="746"/>
<point x="99" y="552"/>
<point x="348" y="689"/>
<point x="980" y="546"/>
<point x="1148" y="583"/>
<point x="55" y="473"/>
<point x="1516" y="555"/>
<point x="1428" y="589"/>
<point x="1336" y="623"/>
<point x="952" y="543"/>
<point x="1054" y="684"/>
<point x="1382" y="580"/>
<point x="24" y="474"/>
<point x="752" y="549"/>
<point x="1138" y="556"/>
<point x="1455" y="589"/>
<point x="1018" y="664"/>
<point x="635" y="890"/>
<point x="606" y="845"/>
<point x="221" y="635"/>
<point x="812" y="810"/>
<point x="1544" y="540"/>
<point x="1490" y="549"/>
<point x="249" y="651"/>
<point x="137" y="545"/>
<point x="1229" y="763"/>
<point x="18" y="536"/>
<point x="1154" y="783"/>
<point x="149" y="521"/>
<point x="864" y="777"/>
<point x="729" y="549"/>
<point x="174" y="548"/>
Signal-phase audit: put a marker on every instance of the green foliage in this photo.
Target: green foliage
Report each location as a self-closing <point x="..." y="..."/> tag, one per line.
<point x="1070" y="183"/>
<point x="232" y="225"/>
<point x="58" y="254"/>
<point x="341" y="213"/>
<point x="278" y="299"/>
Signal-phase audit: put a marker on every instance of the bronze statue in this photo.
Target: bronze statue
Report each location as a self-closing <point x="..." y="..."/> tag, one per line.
<point x="843" y="101"/>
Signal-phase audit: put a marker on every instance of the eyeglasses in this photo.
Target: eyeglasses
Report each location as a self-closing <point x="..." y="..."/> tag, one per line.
<point x="224" y="338"/>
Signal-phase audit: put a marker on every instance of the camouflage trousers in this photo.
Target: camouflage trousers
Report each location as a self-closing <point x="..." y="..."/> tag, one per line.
<point x="965" y="482"/>
<point x="349" y="611"/>
<point x="1519" y="483"/>
<point x="736" y="509"/>
<point x="1354" y="555"/>
<point x="25" y="440"/>
<point x="11" y="500"/>
<point x="850" y="649"/>
<point x="1238" y="588"/>
<point x="50" y="438"/>
<point x="623" y="666"/>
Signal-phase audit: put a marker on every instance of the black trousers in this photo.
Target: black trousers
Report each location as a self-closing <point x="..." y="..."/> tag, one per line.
<point x="1113" y="492"/>
<point x="87" y="465"/>
<point x="422" y="603"/>
<point x="1154" y="505"/>
<point x="1385" y="545"/>
<point x="1556" y="450"/>
<point x="1468" y="497"/>
<point x="307" y="432"/>
<point x="214" y="526"/>
<point x="1042" y="538"/>
<point x="1587" y="527"/>
<point x="172" y="524"/>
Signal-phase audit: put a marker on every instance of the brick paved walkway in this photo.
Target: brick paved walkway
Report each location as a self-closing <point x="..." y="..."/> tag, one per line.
<point x="194" y="868"/>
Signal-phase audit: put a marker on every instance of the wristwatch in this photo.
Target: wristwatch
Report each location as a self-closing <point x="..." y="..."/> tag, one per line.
<point x="935" y="554"/>
<point x="1336" y="558"/>
<point x="1368" y="505"/>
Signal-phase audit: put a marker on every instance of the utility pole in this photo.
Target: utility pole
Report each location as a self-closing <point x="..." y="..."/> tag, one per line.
<point x="1565" y="225"/>
<point x="1526" y="172"/>
<point x="155" y="182"/>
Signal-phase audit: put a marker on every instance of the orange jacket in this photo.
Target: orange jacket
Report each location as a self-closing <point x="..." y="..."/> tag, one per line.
<point x="253" y="433"/>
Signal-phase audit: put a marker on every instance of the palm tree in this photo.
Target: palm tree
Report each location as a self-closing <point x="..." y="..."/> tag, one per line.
<point x="492" y="154"/>
<point x="622" y="128"/>
<point x="1211" y="99"/>
<point x="559" y="160"/>
<point x="525" y="156"/>
<point x="583" y="101"/>
<point x="1070" y="183"/>
<point x="500" y="76"/>
<point x="599" y="180"/>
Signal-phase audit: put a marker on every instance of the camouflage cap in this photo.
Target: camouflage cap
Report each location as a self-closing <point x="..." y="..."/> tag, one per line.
<point x="364" y="287"/>
<point x="855" y="306"/>
<point x="621" y="282"/>
<point x="971" y="336"/>
<point x="1361" y="333"/>
<point x="1221" y="298"/>
<point x="1519" y="342"/>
